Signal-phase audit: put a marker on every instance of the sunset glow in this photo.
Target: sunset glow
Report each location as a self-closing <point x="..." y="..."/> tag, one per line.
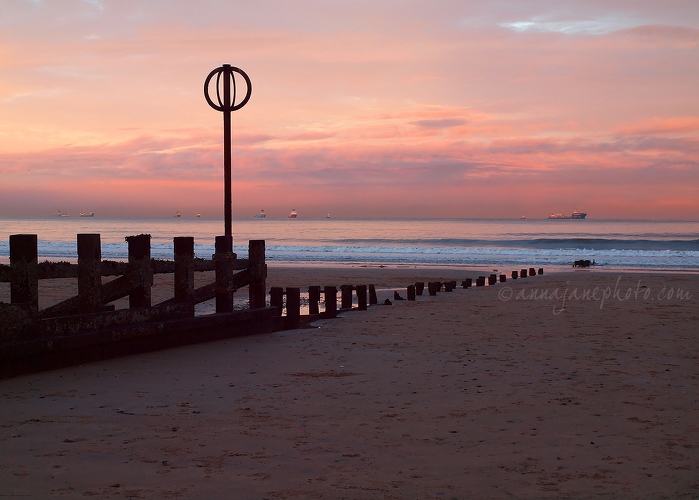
<point x="359" y="109"/>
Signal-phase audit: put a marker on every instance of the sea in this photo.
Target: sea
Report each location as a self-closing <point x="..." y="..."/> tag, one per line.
<point x="630" y="245"/>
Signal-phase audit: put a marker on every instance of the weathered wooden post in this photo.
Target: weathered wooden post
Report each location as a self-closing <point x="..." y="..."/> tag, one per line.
<point x="523" y="273"/>
<point x="258" y="270"/>
<point x="419" y="287"/>
<point x="503" y="278"/>
<point x="514" y="275"/>
<point x="330" y="293"/>
<point x="466" y="283"/>
<point x="373" y="300"/>
<point x="139" y="267"/>
<point x="224" y="258"/>
<point x="448" y="286"/>
<point x="276" y="298"/>
<point x="480" y="281"/>
<point x="313" y="299"/>
<point x="541" y="270"/>
<point x="89" y="273"/>
<point x="346" y="296"/>
<point x="411" y="292"/>
<point x="184" y="269"/>
<point x="293" y="307"/>
<point x="532" y="271"/>
<point x="24" y="272"/>
<point x="492" y="279"/>
<point x="432" y="288"/>
<point x="361" y="297"/>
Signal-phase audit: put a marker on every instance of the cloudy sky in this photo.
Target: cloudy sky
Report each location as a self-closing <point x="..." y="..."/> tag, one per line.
<point x="382" y="108"/>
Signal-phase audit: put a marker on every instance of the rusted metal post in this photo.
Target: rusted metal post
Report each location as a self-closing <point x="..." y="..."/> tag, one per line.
<point x="184" y="269"/>
<point x="330" y="293"/>
<point x="293" y="307"/>
<point x="258" y="270"/>
<point x="373" y="300"/>
<point x="224" y="258"/>
<point x="24" y="272"/>
<point x="276" y="298"/>
<point x="411" y="292"/>
<point x="313" y="299"/>
<point x="89" y="273"/>
<point x="139" y="267"/>
<point x="361" y="297"/>
<point x="346" y="296"/>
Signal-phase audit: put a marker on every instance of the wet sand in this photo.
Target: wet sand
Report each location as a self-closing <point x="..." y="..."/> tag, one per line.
<point x="492" y="392"/>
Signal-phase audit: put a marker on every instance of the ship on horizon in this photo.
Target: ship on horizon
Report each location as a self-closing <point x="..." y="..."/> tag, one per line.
<point x="293" y="214"/>
<point x="261" y="215"/>
<point x="577" y="214"/>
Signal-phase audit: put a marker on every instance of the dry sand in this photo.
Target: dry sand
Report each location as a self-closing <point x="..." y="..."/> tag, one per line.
<point x="490" y="392"/>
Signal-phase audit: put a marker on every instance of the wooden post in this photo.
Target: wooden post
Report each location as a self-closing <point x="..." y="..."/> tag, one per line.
<point x="503" y="278"/>
<point x="448" y="286"/>
<point x="330" y="293"/>
<point x="361" y="297"/>
<point x="514" y="275"/>
<point x="276" y="298"/>
<point x="541" y="270"/>
<point x="523" y="273"/>
<point x="532" y="271"/>
<point x="419" y="287"/>
<point x="466" y="283"/>
<point x="258" y="271"/>
<point x="313" y="299"/>
<point x="480" y="281"/>
<point x="24" y="271"/>
<point x="293" y="307"/>
<point x="139" y="266"/>
<point x="492" y="279"/>
<point x="411" y="292"/>
<point x="346" y="295"/>
<point x="373" y="300"/>
<point x="432" y="288"/>
<point x="89" y="273"/>
<point x="184" y="269"/>
<point x="224" y="258"/>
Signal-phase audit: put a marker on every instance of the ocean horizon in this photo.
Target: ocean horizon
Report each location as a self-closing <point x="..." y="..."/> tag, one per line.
<point x="615" y="244"/>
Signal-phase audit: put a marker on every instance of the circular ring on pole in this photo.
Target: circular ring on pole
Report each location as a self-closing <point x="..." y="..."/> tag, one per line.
<point x="227" y="71"/>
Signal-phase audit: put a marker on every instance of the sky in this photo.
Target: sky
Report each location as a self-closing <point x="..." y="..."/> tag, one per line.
<point x="389" y="108"/>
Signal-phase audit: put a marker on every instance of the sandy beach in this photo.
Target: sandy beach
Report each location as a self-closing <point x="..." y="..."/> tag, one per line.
<point x="569" y="385"/>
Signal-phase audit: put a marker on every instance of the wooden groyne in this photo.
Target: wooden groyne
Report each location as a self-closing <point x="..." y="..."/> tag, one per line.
<point x="86" y="327"/>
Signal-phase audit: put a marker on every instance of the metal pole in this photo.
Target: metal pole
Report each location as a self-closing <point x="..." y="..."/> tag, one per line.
<point x="227" y="197"/>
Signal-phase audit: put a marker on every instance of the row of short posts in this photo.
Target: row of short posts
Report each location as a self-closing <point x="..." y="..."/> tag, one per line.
<point x="366" y="295"/>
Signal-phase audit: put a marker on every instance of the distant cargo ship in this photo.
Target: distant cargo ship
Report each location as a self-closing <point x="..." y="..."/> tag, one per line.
<point x="576" y="215"/>
<point x="293" y="214"/>
<point x="261" y="215"/>
<point x="89" y="214"/>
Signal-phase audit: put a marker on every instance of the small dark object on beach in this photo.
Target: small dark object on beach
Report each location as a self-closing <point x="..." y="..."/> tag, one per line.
<point x="396" y="296"/>
<point x="387" y="302"/>
<point x="583" y="263"/>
